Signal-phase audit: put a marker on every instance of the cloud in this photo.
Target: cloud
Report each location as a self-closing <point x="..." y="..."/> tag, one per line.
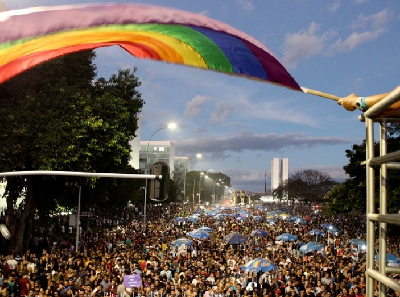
<point x="195" y="106"/>
<point x="353" y="41"/>
<point x="303" y="44"/>
<point x="377" y="20"/>
<point x="222" y="110"/>
<point x="333" y="6"/>
<point x="360" y="1"/>
<point x="247" y="5"/>
<point x="220" y="145"/>
<point x="279" y="110"/>
<point x="306" y="43"/>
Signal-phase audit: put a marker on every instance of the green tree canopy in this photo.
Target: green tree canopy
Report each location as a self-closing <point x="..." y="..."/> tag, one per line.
<point x="351" y="195"/>
<point x="57" y="116"/>
<point x="308" y="186"/>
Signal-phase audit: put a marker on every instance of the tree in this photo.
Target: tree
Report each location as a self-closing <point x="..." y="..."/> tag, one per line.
<point x="355" y="187"/>
<point x="62" y="119"/>
<point x="344" y="197"/>
<point x="210" y="187"/>
<point x="281" y="192"/>
<point x="179" y="183"/>
<point x="308" y="186"/>
<point x="206" y="185"/>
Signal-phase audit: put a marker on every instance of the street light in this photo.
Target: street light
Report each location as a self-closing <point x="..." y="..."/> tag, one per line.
<point x="201" y="173"/>
<point x="78" y="215"/>
<point x="194" y="187"/>
<point x="169" y="126"/>
<point x="216" y="192"/>
<point x="198" y="156"/>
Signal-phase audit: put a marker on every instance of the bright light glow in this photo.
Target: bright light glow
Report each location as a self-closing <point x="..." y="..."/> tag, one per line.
<point x="198" y="156"/>
<point x="171" y="126"/>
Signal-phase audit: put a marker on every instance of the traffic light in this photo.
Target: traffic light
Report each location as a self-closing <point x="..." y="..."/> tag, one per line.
<point x="159" y="187"/>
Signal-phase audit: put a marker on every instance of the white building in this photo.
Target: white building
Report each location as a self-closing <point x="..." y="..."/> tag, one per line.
<point x="279" y="171"/>
<point x="158" y="151"/>
<point x="275" y="173"/>
<point x="284" y="169"/>
<point x="135" y="146"/>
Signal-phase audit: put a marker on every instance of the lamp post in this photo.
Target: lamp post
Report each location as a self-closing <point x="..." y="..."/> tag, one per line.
<point x="169" y="126"/>
<point x="201" y="173"/>
<point x="194" y="186"/>
<point x="216" y="193"/>
<point x="212" y="190"/>
<point x="78" y="215"/>
<point x="198" y="156"/>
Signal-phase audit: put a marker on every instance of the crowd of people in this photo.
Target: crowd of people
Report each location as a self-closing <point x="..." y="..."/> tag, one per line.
<point x="107" y="259"/>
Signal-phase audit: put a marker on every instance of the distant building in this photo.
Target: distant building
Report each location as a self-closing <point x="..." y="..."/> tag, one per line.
<point x="279" y="171"/>
<point x="158" y="151"/>
<point x="135" y="146"/>
<point x="284" y="169"/>
<point x="274" y="173"/>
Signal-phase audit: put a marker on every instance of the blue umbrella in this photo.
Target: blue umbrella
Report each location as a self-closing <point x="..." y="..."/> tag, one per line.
<point x="327" y="225"/>
<point x="219" y="217"/>
<point x="235" y="238"/>
<point x="259" y="232"/>
<point x="300" y="221"/>
<point x="358" y="241"/>
<point x="179" y="219"/>
<point x="258" y="264"/>
<point x="199" y="234"/>
<point x="257" y="218"/>
<point x="241" y="218"/>
<point x="286" y="237"/>
<point x="333" y="230"/>
<point x="316" y="232"/>
<point x="311" y="247"/>
<point x="181" y="241"/>
<point x="390" y="258"/>
<point x="206" y="229"/>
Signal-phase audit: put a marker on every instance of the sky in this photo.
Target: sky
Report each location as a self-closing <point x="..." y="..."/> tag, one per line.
<point x="239" y="125"/>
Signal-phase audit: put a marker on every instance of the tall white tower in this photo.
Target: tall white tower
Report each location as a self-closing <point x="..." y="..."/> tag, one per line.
<point x="284" y="169"/>
<point x="274" y="173"/>
<point x="279" y="171"/>
<point x="135" y="146"/>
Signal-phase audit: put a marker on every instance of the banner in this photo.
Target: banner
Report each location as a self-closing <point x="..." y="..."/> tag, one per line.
<point x="132" y="281"/>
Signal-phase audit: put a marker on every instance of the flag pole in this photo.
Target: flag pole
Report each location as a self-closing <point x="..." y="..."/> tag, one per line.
<point x="320" y="94"/>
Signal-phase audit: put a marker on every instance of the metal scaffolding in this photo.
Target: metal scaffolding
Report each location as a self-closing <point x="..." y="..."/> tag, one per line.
<point x="377" y="272"/>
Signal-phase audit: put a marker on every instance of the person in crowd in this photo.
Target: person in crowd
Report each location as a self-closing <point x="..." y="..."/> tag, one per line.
<point x="161" y="268"/>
